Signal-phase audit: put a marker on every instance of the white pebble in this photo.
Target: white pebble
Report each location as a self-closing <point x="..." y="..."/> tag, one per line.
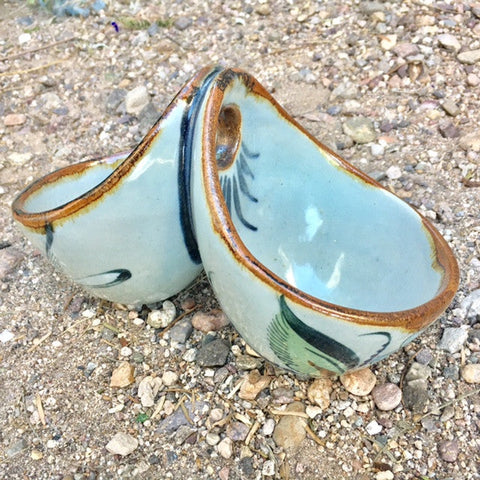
<point x="24" y="38"/>
<point x="125" y="351"/>
<point x="394" y="172"/>
<point x="268" y="469"/>
<point x="386" y="475"/>
<point x="212" y="438"/>
<point x="268" y="426"/>
<point x="6" y="336"/>
<point x="52" y="444"/>
<point x="169" y="378"/>
<point x="373" y="428"/>
<point x="225" y="448"/>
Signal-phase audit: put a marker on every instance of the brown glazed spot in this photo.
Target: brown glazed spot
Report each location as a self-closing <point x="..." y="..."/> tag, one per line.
<point x="228" y="136"/>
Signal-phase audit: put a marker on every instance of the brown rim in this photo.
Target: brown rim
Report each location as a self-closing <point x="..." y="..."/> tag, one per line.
<point x="39" y="220"/>
<point x="411" y="320"/>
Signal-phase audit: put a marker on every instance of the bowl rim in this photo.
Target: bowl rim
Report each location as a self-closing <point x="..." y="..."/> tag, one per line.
<point x="410" y="320"/>
<point x="40" y="220"/>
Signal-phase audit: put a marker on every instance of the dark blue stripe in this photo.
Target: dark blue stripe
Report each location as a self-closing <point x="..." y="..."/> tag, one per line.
<point x="187" y="130"/>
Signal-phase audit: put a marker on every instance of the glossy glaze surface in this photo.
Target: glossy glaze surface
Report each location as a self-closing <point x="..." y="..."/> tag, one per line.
<point x="117" y="226"/>
<point x="317" y="266"/>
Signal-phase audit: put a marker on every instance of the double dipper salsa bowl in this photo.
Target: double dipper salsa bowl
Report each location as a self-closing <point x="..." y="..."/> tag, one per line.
<point x="316" y="264"/>
<point x="117" y="225"/>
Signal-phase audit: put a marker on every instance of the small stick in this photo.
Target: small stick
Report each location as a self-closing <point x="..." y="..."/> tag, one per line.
<point x="34" y="347"/>
<point x="41" y="412"/>
<point x="252" y="432"/>
<point x="29" y="70"/>
<point x="451" y="402"/>
<point x="314" y="436"/>
<point x="159" y="407"/>
<point x="291" y="414"/>
<point x="33" y="50"/>
<point x="174" y="322"/>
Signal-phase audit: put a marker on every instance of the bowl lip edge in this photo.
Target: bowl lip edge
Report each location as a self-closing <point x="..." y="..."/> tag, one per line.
<point x="410" y="320"/>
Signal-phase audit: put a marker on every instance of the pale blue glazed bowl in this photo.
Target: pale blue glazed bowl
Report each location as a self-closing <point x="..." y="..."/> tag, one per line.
<point x="316" y="264"/>
<point x="120" y="226"/>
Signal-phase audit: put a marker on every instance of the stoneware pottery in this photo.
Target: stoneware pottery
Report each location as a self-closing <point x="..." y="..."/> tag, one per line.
<point x="316" y="264"/>
<point x="119" y="226"/>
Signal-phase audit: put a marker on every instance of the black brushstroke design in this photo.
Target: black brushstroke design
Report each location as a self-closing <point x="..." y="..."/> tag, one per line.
<point x="305" y="349"/>
<point x="187" y="129"/>
<point x="234" y="185"/>
<point x="377" y="354"/>
<point x="121" y="275"/>
<point x="49" y="238"/>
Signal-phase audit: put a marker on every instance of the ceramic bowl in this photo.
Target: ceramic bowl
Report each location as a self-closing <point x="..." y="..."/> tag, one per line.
<point x="316" y="264"/>
<point x="121" y="226"/>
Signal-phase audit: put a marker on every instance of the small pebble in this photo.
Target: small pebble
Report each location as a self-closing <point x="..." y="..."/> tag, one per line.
<point x="36" y="455"/>
<point x="424" y="356"/>
<point x="449" y="42"/>
<point x="169" y="378"/>
<point x="417" y="371"/>
<point x="415" y="395"/>
<point x="16" y="448"/>
<point x="246" y="362"/>
<point x="319" y="392"/>
<point x="212" y="438"/>
<point x="136" y="100"/>
<point x="148" y="389"/>
<point x="14" y="119"/>
<point x="268" y="427"/>
<point x="181" y="332"/>
<point x="213" y="354"/>
<point x="373" y="428"/>
<point x="470" y="141"/>
<point x="253" y="384"/>
<point x="225" y="448"/>
<point x="162" y="318"/>
<point x="290" y="430"/>
<point x="406" y="49"/>
<point x="471" y="373"/>
<point x="451" y="107"/>
<point x="470" y="306"/>
<point x="473" y="80"/>
<point x="122" y="376"/>
<point x="6" y="336"/>
<point x="268" y="469"/>
<point x="385" y="475"/>
<point x="387" y="396"/>
<point x="469" y="57"/>
<point x="449" y="450"/>
<point x="360" y="129"/>
<point x="122" y="444"/>
<point x="237" y="431"/>
<point x="263" y="9"/>
<point x="360" y="382"/>
<point x="126" y="351"/>
<point x="448" y="130"/>
<point x="209" y="322"/>
<point x="182" y="23"/>
<point x="394" y="172"/>
<point x="282" y="396"/>
<point x="453" y="339"/>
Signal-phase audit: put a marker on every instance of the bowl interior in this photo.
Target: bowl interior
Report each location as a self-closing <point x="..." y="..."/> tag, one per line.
<point x="314" y="222"/>
<point x="69" y="183"/>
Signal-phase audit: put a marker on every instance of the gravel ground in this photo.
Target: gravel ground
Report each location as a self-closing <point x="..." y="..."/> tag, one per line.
<point x="91" y="390"/>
